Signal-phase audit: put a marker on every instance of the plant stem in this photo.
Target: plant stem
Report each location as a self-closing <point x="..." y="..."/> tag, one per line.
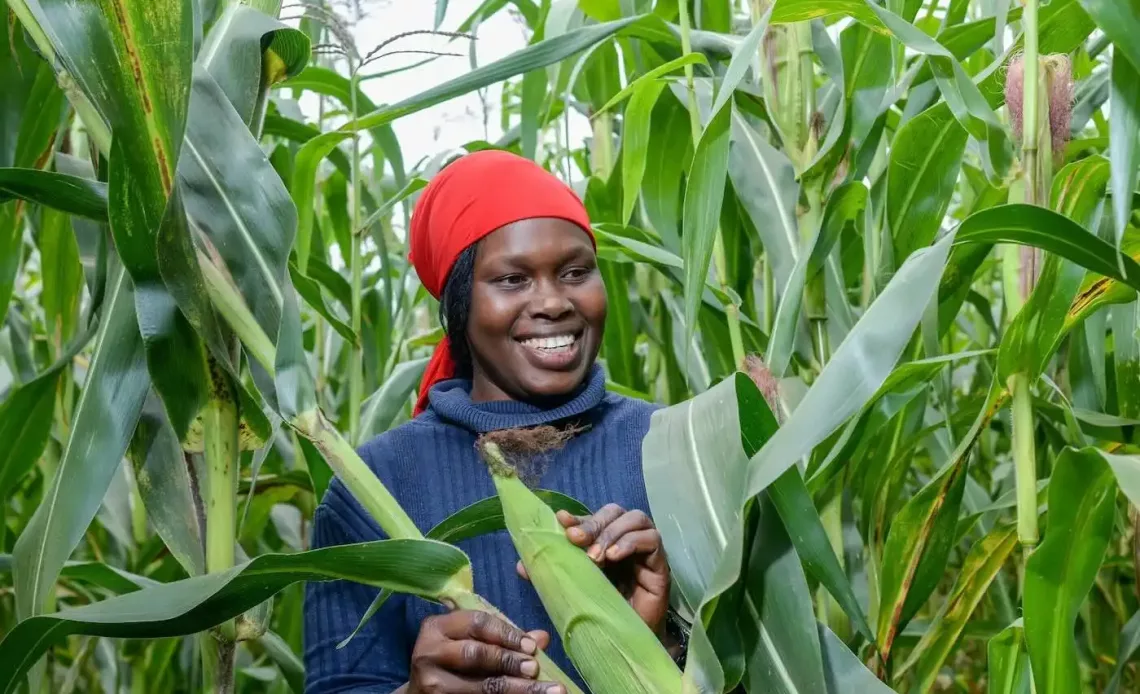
<point x="356" y="475"/>
<point x="222" y="455"/>
<point x="686" y="49"/>
<point x="229" y="303"/>
<point x="356" y="362"/>
<point x="1025" y="459"/>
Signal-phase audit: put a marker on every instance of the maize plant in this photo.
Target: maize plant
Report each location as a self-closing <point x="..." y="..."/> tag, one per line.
<point x="878" y="262"/>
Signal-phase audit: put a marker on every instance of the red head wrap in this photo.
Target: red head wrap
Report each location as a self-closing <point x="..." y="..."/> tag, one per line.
<point x="470" y="198"/>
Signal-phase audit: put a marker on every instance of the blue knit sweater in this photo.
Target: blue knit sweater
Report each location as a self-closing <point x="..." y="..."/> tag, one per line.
<point x="431" y="467"/>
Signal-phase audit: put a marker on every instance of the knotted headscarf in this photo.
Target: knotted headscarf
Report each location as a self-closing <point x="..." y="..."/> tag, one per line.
<point x="470" y="198"/>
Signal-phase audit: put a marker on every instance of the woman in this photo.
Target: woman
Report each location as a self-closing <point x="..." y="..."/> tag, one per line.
<point x="508" y="250"/>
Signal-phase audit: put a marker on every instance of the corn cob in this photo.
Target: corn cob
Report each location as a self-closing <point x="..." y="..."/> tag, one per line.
<point x="615" y="652"/>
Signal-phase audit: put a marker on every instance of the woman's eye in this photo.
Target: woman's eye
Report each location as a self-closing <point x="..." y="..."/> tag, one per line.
<point x="576" y="273"/>
<point x="512" y="280"/>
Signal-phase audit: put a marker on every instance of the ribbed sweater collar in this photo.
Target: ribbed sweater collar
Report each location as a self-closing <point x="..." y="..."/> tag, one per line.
<point x="451" y="401"/>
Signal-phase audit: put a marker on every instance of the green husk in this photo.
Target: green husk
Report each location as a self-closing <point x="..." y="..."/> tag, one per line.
<point x="612" y="648"/>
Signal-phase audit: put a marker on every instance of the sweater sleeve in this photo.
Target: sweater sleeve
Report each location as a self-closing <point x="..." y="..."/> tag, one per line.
<point x="376" y="660"/>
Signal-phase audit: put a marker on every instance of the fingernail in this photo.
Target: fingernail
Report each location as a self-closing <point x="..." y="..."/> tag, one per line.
<point x="576" y="533"/>
<point x="595" y="552"/>
<point x="529" y="646"/>
<point x="555" y="689"/>
<point x="612" y="551"/>
<point x="529" y="668"/>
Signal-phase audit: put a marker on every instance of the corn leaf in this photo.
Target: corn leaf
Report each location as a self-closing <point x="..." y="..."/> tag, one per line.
<point x="703" y="197"/>
<point x="1008" y="661"/>
<point x="1124" y="126"/>
<point x="1129" y="643"/>
<point x="417" y="567"/>
<point x="1061" y="571"/>
<point x="104" y="420"/>
<point x="71" y="194"/>
<point x="982" y="564"/>
<point x="859" y="366"/>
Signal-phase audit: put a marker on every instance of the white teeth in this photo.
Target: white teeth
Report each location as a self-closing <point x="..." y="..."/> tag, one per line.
<point x="556" y="342"/>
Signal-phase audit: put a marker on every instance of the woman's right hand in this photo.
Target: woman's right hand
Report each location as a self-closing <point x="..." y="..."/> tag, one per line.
<point x="472" y="652"/>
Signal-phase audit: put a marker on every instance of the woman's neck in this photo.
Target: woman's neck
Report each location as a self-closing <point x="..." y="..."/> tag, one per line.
<point x="457" y="401"/>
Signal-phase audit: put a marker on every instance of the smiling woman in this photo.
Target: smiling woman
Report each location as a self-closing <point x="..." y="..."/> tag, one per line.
<point x="508" y="250"/>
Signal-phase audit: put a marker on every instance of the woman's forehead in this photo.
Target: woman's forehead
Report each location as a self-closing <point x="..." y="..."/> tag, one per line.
<point x="535" y="239"/>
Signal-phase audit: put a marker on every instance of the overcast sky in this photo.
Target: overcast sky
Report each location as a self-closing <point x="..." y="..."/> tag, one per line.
<point x="452" y="123"/>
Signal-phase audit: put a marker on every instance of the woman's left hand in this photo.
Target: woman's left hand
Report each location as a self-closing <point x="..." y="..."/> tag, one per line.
<point x="627" y="546"/>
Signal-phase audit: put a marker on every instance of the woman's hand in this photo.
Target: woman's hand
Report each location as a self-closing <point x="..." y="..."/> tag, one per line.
<point x="472" y="652"/>
<point x="628" y="548"/>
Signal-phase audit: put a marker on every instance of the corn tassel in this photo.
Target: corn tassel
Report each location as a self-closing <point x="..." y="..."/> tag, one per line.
<point x="615" y="652"/>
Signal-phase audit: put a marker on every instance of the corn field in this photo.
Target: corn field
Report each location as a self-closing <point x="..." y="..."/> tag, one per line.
<point x="880" y="263"/>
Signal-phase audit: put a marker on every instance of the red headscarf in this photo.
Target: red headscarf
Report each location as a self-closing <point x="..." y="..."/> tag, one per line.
<point x="470" y="198"/>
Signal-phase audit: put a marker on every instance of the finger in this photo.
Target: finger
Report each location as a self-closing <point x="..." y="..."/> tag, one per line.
<point x="586" y="532"/>
<point x="442" y="681"/>
<point x="645" y="543"/>
<point x="632" y="521"/>
<point x="472" y="657"/>
<point x="567" y="519"/>
<point x="486" y="627"/>
<point x="522" y="572"/>
<point x="540" y="637"/>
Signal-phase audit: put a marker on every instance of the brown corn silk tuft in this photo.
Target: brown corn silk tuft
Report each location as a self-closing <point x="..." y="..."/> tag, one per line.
<point x="1058" y="71"/>
<point x="526" y="451"/>
<point x="767" y="383"/>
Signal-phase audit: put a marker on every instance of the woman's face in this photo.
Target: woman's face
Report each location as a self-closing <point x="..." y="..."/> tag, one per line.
<point x="538" y="309"/>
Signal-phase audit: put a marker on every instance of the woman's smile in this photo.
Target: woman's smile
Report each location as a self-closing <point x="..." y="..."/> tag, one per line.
<point x="556" y="352"/>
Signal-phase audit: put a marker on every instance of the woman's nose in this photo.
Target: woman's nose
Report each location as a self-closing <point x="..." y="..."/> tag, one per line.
<point x="550" y="303"/>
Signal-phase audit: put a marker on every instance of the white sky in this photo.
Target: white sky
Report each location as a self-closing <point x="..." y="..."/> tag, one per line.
<point x="453" y="123"/>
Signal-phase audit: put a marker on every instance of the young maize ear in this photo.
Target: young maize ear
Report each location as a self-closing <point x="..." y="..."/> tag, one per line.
<point x="615" y="652"/>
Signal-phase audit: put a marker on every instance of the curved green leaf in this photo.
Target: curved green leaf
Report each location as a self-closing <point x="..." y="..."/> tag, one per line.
<point x="1061" y="571"/>
<point x="1120" y="21"/>
<point x="917" y="548"/>
<point x="1030" y="225"/>
<point x="104" y="420"/>
<point x="650" y="77"/>
<point x="234" y="196"/>
<point x="1008" y="661"/>
<point x="977" y="572"/>
<point x="926" y="156"/>
<point x="703" y="197"/>
<point x="31" y="109"/>
<point x="845" y="673"/>
<point x="417" y="567"/>
<point x="486" y="516"/>
<point x="1129" y="643"/>
<point x="233" y="54"/>
<point x="71" y="194"/>
<point x="381" y="408"/>
<point x="858" y="367"/>
<point x="765" y="182"/>
<point x="168" y="485"/>
<point x="637" y="128"/>
<point x="302" y="189"/>
<point x="26" y="418"/>
<point x="331" y="83"/>
<point x="1124" y="121"/>
<point x="844" y="206"/>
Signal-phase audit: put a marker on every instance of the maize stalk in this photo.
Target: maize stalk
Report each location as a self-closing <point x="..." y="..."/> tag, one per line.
<point x="613" y="649"/>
